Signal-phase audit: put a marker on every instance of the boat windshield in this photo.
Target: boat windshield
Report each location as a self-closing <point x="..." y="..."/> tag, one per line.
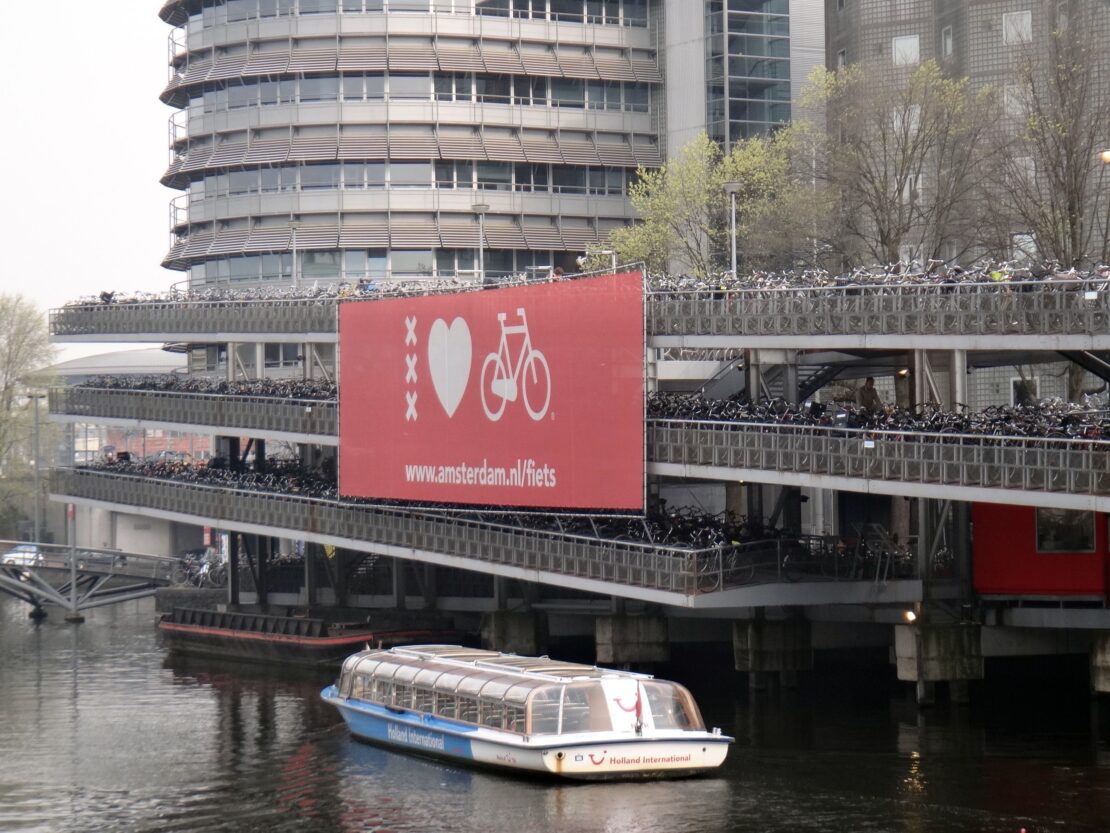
<point x="671" y="706"/>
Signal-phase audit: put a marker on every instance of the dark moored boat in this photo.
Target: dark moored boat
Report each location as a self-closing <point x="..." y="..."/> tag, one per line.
<point x="288" y="639"/>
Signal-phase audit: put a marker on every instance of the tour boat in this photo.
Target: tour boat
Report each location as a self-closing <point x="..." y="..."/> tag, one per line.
<point x="525" y="714"/>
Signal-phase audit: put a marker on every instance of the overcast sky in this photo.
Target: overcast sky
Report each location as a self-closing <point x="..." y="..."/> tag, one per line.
<point x="83" y="144"/>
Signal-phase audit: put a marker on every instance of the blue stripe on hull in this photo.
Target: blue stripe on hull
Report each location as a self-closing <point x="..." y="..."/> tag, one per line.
<point x="407" y="731"/>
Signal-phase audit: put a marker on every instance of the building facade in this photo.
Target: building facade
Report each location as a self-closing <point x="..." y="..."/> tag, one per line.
<point x="381" y="138"/>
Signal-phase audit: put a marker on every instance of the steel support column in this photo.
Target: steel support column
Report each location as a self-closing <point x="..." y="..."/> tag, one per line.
<point x="399" y="591"/>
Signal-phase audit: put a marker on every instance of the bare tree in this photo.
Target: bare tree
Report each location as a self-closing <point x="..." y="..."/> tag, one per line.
<point x="24" y="348"/>
<point x="1055" y="183"/>
<point x="907" y="153"/>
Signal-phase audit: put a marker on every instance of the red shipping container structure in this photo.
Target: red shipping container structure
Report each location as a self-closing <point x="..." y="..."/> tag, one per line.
<point x="1025" y="551"/>
<point x="520" y="396"/>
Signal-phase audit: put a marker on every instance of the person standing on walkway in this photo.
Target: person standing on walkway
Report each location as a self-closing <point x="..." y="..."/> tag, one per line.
<point x="868" y="397"/>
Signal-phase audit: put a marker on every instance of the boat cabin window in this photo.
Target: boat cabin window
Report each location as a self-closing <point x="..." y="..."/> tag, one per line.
<point x="671" y="706"/>
<point x="585" y="709"/>
<point x="544" y="710"/>
<point x="423" y="699"/>
<point x="446" y="705"/>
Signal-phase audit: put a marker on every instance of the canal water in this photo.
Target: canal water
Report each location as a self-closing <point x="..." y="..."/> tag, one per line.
<point x="100" y="731"/>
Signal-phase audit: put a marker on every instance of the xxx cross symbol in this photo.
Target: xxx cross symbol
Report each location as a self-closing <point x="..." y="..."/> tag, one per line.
<point x="410" y="402"/>
<point x="410" y="326"/>
<point x="410" y="374"/>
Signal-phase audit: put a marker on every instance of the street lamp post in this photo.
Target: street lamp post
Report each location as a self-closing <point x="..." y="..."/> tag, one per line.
<point x="35" y="397"/>
<point x="731" y="188"/>
<point x="480" y="208"/>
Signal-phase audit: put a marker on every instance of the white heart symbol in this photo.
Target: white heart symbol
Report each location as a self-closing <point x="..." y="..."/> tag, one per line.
<point x="449" y="354"/>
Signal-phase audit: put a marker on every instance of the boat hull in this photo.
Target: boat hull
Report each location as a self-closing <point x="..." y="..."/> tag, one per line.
<point x="564" y="756"/>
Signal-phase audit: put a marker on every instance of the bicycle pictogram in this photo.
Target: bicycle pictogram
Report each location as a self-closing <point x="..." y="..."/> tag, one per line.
<point x="502" y="379"/>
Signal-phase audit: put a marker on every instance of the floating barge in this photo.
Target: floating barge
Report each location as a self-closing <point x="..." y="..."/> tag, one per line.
<point x="284" y="639"/>
<point x="529" y="715"/>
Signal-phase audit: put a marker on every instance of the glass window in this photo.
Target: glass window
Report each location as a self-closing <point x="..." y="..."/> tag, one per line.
<point x="319" y="176"/>
<point x="1065" y="530"/>
<point x="320" y="264"/>
<point x="567" y="179"/>
<point x="907" y="50"/>
<point x="636" y="97"/>
<point x="375" y="87"/>
<point x="354" y="263"/>
<point x="354" y="175"/>
<point x="242" y="95"/>
<point x="410" y="86"/>
<point x="410" y="174"/>
<point x="946" y="42"/>
<point x="376" y="261"/>
<point x="445" y="174"/>
<point x="375" y="174"/>
<point x="319" y="89"/>
<point x="493" y="88"/>
<point x="408" y="5"/>
<point x="498" y="8"/>
<point x="497" y="176"/>
<point x="353" y="87"/>
<point x="318" y="6"/>
<point x="412" y="261"/>
<point x="568" y="92"/>
<point x="1017" y="28"/>
<point x="242" y="182"/>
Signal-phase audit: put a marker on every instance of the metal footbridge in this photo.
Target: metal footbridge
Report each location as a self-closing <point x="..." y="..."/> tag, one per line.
<point x="79" y="579"/>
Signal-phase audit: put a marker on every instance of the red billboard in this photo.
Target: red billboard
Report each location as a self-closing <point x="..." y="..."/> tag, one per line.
<point x="519" y="396"/>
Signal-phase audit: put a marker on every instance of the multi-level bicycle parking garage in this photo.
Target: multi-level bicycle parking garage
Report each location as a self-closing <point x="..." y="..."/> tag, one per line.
<point x="786" y="341"/>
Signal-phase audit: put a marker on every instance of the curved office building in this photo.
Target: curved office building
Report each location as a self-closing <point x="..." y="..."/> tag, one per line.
<point x="363" y="137"/>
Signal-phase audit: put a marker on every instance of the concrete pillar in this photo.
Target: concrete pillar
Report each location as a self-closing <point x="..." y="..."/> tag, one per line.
<point x="399" y="591"/>
<point x="263" y="562"/>
<point x="312" y="553"/>
<point x="431" y="591"/>
<point x="500" y="592"/>
<point x="957" y="379"/>
<point x="734" y="498"/>
<point x="928" y="654"/>
<point x="260" y="455"/>
<point x="760" y="647"/>
<point x="232" y="570"/>
<point x="631" y="640"/>
<point x="1100" y="663"/>
<point x="514" y="632"/>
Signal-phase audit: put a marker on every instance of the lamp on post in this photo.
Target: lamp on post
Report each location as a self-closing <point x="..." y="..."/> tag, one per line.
<point x="1105" y="156"/>
<point x="293" y="226"/>
<point x="732" y="188"/>
<point x="612" y="257"/>
<point x="480" y="208"/>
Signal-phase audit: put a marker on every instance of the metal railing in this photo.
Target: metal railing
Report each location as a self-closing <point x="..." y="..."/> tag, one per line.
<point x="79" y="578"/>
<point x="656" y="567"/>
<point x="970" y="309"/>
<point x="300" y="315"/>
<point x="1048" y="308"/>
<point x="1065" y="466"/>
<point x="234" y="412"/>
<point x="1080" y="467"/>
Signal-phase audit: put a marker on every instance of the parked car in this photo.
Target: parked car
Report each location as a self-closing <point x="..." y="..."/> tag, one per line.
<point x="23" y="555"/>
